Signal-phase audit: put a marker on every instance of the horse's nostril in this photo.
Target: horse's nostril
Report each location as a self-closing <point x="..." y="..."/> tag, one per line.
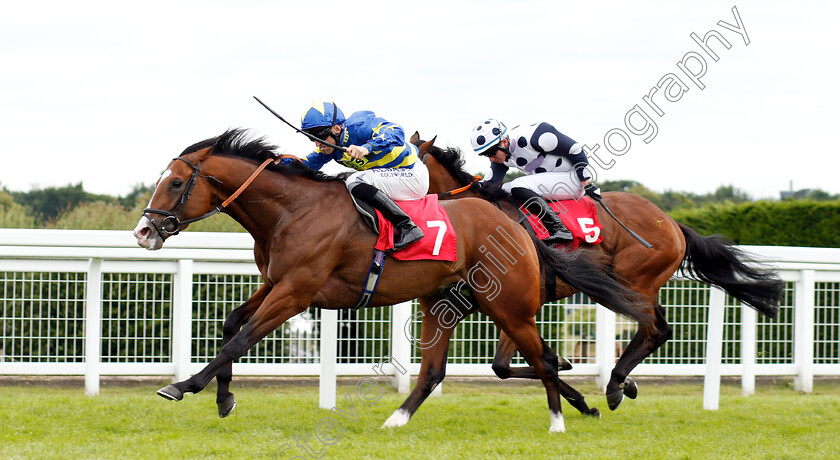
<point x="144" y="232"/>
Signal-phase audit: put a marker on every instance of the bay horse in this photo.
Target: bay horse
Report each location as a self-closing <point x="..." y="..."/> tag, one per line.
<point x="313" y="248"/>
<point x="712" y="260"/>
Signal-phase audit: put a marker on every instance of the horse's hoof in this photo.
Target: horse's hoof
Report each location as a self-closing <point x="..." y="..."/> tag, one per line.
<point x="631" y="390"/>
<point x="594" y="413"/>
<point x="614" y="399"/>
<point x="171" y="392"/>
<point x="226" y="407"/>
<point x="564" y="365"/>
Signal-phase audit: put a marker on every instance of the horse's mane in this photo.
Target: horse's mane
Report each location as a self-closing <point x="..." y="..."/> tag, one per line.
<point x="237" y="143"/>
<point x="452" y="160"/>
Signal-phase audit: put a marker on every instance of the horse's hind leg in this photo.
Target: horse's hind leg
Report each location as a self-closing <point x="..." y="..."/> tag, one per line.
<point x="504" y="355"/>
<point x="501" y="366"/>
<point x="434" y="345"/>
<point x="647" y="339"/>
<point x="224" y="398"/>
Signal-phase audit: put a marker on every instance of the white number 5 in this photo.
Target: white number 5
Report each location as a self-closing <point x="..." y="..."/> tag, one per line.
<point x="441" y="231"/>
<point x="592" y="233"/>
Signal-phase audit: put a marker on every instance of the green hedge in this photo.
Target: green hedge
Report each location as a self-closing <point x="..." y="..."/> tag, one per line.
<point x="772" y="223"/>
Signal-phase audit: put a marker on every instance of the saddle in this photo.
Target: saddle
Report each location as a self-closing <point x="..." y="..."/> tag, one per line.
<point x="579" y="216"/>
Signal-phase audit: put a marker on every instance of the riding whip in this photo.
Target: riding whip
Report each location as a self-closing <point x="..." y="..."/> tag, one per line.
<point x="310" y="136"/>
<point x="597" y="198"/>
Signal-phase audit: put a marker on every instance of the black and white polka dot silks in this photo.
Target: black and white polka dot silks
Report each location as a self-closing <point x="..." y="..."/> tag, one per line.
<point x="540" y="148"/>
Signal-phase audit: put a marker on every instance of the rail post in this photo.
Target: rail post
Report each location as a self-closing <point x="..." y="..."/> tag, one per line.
<point x="803" y="334"/>
<point x="714" y="349"/>
<point x="327" y="356"/>
<point x="182" y="320"/>
<point x="93" y="326"/>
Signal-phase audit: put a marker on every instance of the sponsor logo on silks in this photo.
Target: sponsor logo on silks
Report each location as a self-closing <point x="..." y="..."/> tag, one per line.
<point x="351" y="162"/>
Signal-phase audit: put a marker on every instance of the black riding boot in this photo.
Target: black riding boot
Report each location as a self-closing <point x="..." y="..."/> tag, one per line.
<point x="406" y="231"/>
<point x="535" y="204"/>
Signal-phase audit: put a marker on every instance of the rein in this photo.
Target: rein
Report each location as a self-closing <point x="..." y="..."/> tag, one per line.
<point x="171" y="223"/>
<point x="460" y="190"/>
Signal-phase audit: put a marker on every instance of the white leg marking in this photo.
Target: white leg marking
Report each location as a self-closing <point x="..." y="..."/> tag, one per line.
<point x="398" y="418"/>
<point x="558" y="425"/>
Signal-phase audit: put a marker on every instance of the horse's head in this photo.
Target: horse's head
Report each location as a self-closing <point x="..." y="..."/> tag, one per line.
<point x="445" y="166"/>
<point x="182" y="195"/>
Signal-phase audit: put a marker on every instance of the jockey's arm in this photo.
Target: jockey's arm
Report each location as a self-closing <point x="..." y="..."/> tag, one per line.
<point x="385" y="138"/>
<point x="316" y="159"/>
<point x="497" y="172"/>
<point x="563" y="146"/>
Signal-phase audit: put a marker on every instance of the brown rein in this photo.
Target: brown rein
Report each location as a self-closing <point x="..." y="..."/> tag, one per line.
<point x="256" y="173"/>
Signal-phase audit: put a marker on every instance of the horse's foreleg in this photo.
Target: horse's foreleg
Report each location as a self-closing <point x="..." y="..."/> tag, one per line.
<point x="234" y="322"/>
<point x="524" y="333"/>
<point x="278" y="306"/>
<point x="434" y="345"/>
<point x="647" y="339"/>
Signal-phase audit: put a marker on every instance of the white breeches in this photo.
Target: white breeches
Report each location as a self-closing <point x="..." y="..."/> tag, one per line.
<point x="399" y="184"/>
<point x="550" y="185"/>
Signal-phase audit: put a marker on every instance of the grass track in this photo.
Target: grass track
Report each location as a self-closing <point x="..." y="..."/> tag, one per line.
<point x="469" y="421"/>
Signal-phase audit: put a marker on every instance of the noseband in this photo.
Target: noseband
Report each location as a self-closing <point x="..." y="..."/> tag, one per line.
<point x="171" y="223"/>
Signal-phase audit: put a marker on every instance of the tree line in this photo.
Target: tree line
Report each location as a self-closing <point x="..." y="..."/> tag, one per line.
<point x="805" y="218"/>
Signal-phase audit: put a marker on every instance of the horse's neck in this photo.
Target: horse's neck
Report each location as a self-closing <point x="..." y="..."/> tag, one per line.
<point x="276" y="203"/>
<point x="269" y="197"/>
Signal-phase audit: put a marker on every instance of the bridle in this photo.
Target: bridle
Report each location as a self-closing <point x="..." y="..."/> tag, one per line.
<point x="171" y="223"/>
<point x="469" y="186"/>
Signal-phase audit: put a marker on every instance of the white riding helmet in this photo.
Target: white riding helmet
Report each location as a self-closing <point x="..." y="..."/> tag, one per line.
<point x="488" y="134"/>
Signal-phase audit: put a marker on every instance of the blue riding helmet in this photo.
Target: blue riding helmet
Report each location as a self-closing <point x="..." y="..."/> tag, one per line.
<point x="321" y="114"/>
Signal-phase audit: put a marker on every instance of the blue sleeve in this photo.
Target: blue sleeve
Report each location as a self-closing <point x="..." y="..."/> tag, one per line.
<point x="497" y="173"/>
<point x="316" y="160"/>
<point x="387" y="137"/>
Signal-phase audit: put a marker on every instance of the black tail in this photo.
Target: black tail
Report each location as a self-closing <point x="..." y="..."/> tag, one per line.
<point x="714" y="260"/>
<point x="579" y="271"/>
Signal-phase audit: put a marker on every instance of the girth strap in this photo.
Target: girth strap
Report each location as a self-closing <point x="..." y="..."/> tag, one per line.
<point x="374" y="272"/>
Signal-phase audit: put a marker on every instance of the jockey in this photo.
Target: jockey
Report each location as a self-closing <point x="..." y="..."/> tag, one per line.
<point x="554" y="164"/>
<point x="387" y="166"/>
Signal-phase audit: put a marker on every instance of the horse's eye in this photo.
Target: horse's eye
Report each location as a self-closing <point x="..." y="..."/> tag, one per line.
<point x="177" y="183"/>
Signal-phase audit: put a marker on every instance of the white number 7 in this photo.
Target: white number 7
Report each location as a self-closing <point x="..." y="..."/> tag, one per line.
<point x="441" y="231"/>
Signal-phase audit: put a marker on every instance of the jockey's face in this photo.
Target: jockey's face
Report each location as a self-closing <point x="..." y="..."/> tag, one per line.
<point x="335" y="130"/>
<point x="500" y="156"/>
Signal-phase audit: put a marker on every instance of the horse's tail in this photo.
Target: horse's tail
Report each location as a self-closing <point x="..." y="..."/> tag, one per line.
<point x="577" y="269"/>
<point x="714" y="260"/>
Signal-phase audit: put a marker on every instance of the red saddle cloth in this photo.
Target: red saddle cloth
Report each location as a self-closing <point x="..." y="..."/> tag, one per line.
<point x="579" y="216"/>
<point x="438" y="242"/>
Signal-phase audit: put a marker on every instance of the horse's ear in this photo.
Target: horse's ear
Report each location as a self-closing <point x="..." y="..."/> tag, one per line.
<point x="200" y="155"/>
<point x="425" y="147"/>
<point x="415" y="138"/>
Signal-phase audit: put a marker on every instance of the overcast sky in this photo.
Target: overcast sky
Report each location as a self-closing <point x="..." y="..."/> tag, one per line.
<point x="106" y="93"/>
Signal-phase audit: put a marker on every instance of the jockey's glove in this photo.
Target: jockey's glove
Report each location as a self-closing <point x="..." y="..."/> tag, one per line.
<point x="592" y="191"/>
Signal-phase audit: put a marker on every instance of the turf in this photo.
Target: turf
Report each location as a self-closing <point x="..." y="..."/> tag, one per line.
<point x="468" y="421"/>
